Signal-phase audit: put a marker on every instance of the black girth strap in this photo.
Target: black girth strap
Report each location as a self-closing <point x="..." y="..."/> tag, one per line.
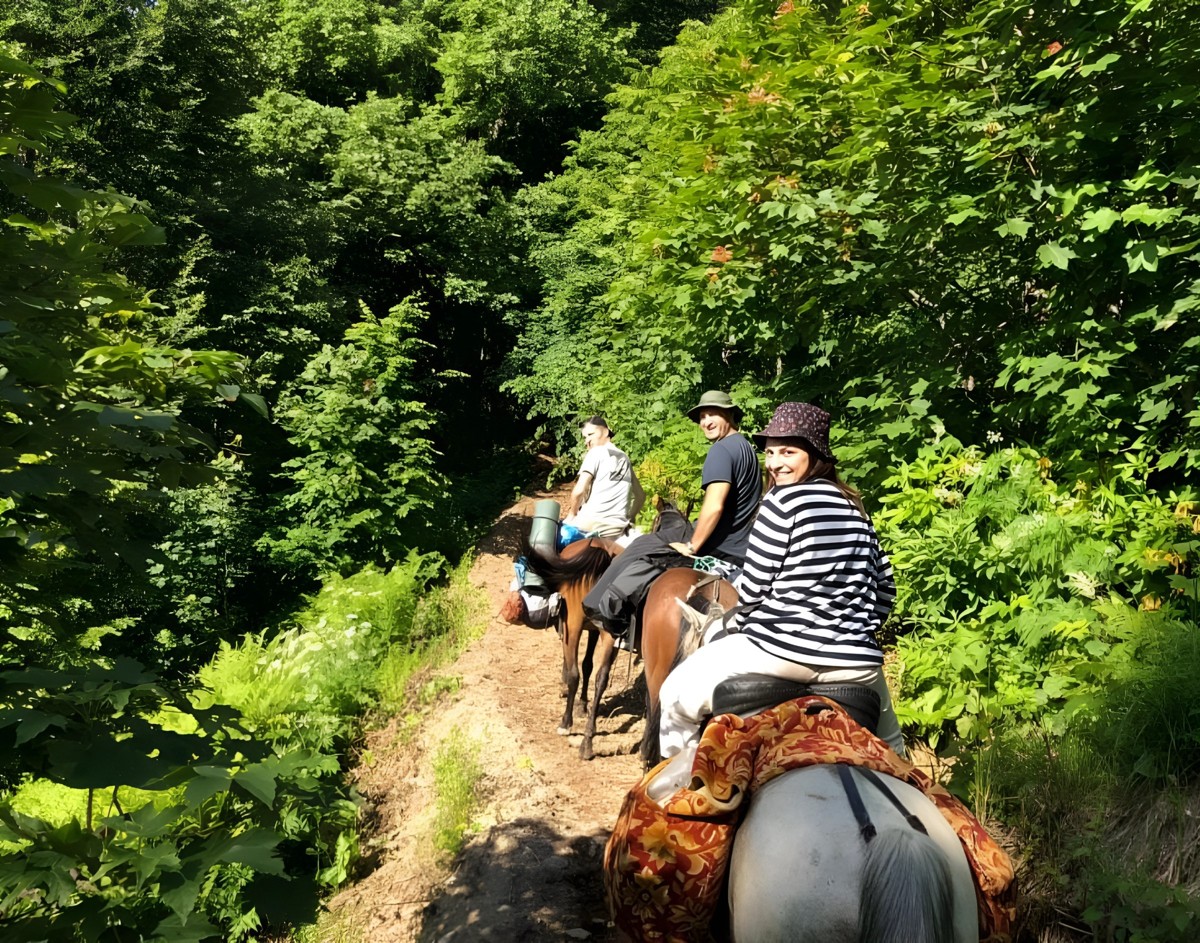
<point x="866" y="827"/>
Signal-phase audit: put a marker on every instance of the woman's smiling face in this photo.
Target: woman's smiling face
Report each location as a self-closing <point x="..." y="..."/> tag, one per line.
<point x="786" y="461"/>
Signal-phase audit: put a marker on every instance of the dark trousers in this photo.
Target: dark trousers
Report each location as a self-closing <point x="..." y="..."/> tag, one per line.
<point x="616" y="597"/>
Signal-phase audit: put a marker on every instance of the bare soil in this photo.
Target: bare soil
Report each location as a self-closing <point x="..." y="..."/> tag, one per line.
<point x="531" y="868"/>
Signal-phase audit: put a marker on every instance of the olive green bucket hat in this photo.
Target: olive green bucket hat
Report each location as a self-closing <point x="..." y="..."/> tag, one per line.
<point x="715" y="399"/>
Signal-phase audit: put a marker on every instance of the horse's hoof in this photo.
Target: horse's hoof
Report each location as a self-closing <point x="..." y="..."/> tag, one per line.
<point x="586" y="754"/>
<point x="563" y="731"/>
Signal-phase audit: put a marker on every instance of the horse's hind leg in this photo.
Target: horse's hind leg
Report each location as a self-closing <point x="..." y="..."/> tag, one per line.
<point x="608" y="654"/>
<point x="589" y="651"/>
<point x="570" y="668"/>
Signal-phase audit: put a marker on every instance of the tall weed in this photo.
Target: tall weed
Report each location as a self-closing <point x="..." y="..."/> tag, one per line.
<point x="448" y="618"/>
<point x="1149" y="719"/>
<point x="456" y="776"/>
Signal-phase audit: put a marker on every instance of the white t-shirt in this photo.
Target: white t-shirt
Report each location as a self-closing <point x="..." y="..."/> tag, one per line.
<point x="612" y="484"/>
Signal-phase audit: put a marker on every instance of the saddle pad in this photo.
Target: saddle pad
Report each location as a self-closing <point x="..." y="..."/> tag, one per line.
<point x="665" y="865"/>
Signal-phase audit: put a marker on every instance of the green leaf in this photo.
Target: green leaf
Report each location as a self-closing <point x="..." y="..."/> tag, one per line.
<point x="1014" y="226"/>
<point x="1100" y="64"/>
<point x="1101" y="219"/>
<point x="189" y="928"/>
<point x="257" y="403"/>
<point x="259" y="781"/>
<point x="1142" y="256"/>
<point x="1053" y="254"/>
<point x="256" y="848"/>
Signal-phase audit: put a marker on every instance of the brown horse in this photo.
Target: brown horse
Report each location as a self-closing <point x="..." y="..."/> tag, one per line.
<point x="664" y="641"/>
<point x="572" y="574"/>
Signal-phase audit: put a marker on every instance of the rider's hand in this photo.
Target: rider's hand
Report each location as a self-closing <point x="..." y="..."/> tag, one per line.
<point x="681" y="548"/>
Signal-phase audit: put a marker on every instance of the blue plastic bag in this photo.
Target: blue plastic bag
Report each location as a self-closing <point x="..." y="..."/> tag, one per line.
<point x="568" y="534"/>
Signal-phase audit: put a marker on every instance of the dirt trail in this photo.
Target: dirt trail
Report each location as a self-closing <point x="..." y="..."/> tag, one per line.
<point x="532" y="869"/>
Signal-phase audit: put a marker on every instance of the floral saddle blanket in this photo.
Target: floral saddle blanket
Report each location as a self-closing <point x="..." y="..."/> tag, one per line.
<point x="665" y="865"/>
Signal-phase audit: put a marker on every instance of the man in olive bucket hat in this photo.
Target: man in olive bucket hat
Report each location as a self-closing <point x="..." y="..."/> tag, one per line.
<point x="732" y="484"/>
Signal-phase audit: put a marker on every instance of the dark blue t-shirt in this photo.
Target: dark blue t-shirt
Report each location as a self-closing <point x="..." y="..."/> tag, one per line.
<point x="734" y="460"/>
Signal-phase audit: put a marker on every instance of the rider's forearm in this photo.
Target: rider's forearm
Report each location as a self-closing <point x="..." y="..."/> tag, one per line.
<point x="702" y="532"/>
<point x="710" y="515"/>
<point x="578" y="493"/>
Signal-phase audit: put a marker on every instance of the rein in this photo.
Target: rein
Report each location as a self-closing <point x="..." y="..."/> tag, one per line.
<point x="866" y="828"/>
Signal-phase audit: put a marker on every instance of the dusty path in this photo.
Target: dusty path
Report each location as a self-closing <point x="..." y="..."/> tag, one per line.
<point x="531" y="871"/>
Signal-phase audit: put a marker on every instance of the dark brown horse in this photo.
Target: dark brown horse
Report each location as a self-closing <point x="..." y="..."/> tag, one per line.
<point x="665" y="640"/>
<point x="572" y="574"/>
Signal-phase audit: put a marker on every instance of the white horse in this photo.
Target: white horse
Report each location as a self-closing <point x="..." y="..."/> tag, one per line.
<point x="802" y="872"/>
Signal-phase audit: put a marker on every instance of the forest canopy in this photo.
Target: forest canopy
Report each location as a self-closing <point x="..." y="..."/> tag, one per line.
<point x="293" y="292"/>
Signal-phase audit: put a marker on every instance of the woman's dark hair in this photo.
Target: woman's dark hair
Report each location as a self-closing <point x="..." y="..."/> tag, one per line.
<point x="594" y="421"/>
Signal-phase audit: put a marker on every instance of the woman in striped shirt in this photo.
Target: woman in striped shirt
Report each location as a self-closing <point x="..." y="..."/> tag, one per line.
<point x="815" y="590"/>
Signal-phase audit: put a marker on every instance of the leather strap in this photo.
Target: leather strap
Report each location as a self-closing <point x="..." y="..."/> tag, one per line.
<point x="866" y="828"/>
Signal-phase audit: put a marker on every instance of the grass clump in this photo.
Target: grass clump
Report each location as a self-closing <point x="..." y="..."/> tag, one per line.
<point x="331" y="927"/>
<point x="1106" y="815"/>
<point x="355" y="648"/>
<point x="449" y="618"/>
<point x="457" y="773"/>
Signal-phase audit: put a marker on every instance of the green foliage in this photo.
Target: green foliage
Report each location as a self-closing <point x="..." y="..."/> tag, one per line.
<point x="525" y="73"/>
<point x="883" y="201"/>
<point x="325" y="49"/>
<point x="92" y="431"/>
<point x="457" y="773"/>
<point x="1148" y="721"/>
<point x="150" y="870"/>
<point x="365" y="485"/>
<point x="449" y="618"/>
<point x="1111" y="850"/>
<point x="1020" y="597"/>
<point x="80" y="386"/>
<point x="672" y="471"/>
<point x="305" y="684"/>
<point x="239" y="814"/>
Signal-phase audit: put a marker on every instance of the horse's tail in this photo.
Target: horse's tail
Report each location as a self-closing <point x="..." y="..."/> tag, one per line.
<point x="584" y="568"/>
<point x="648" y="752"/>
<point x="906" y="891"/>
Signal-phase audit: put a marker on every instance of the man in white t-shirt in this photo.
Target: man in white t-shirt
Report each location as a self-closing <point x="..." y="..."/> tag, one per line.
<point x="607" y="495"/>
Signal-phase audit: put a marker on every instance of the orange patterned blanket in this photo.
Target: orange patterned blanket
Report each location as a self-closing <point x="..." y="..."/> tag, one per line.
<point x="664" y="866"/>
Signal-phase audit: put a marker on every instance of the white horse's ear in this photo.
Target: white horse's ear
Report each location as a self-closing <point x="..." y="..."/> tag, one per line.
<point x="692" y="626"/>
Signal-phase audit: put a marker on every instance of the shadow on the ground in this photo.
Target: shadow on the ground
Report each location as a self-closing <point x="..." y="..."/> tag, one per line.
<point x="522" y="881"/>
<point x="505" y="538"/>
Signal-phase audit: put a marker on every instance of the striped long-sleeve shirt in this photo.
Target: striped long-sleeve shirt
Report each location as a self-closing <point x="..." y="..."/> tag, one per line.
<point x="816" y="584"/>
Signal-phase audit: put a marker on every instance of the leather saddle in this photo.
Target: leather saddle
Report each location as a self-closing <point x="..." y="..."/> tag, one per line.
<point x="749" y="694"/>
